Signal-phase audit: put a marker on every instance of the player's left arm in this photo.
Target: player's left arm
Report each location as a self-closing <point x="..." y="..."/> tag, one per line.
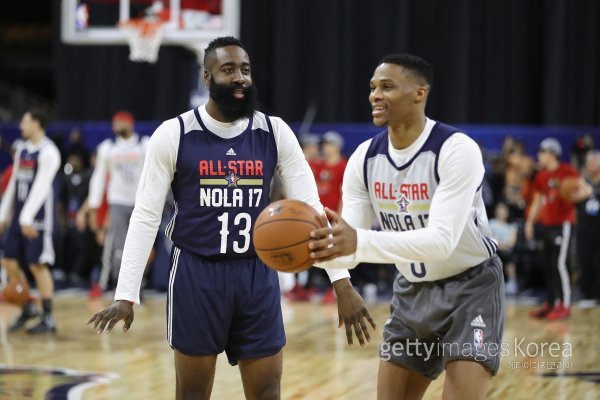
<point x="48" y="165"/>
<point x="299" y="183"/>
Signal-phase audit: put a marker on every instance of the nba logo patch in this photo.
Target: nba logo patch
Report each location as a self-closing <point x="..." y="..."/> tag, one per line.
<point x="478" y="338"/>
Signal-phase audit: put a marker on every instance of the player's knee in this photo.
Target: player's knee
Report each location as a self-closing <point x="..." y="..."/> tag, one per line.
<point x="266" y="390"/>
<point x="37" y="267"/>
<point x="196" y="390"/>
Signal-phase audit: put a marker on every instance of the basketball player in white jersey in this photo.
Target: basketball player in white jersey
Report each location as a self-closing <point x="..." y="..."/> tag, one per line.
<point x="220" y="159"/>
<point x="119" y="162"/>
<point x="30" y="198"/>
<point x="422" y="181"/>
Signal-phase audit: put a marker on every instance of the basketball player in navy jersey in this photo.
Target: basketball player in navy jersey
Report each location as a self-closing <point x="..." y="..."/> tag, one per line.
<point x="422" y="180"/>
<point x="30" y="198"/>
<point x="219" y="160"/>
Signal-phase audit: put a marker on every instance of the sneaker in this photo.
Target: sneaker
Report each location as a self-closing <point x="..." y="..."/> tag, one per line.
<point x="95" y="291"/>
<point x="298" y="293"/>
<point x="541" y="312"/>
<point x="559" y="312"/>
<point x="329" y="297"/>
<point x="46" y="325"/>
<point x="29" y="312"/>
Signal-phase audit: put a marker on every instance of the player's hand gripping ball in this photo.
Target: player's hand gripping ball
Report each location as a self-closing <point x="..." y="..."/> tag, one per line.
<point x="282" y="232"/>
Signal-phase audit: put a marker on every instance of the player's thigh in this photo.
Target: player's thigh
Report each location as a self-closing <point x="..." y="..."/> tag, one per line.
<point x="257" y="325"/>
<point x="13" y="242"/>
<point x="476" y="324"/>
<point x="466" y="380"/>
<point x="262" y="376"/>
<point x="198" y="304"/>
<point x="395" y="382"/>
<point x="39" y="250"/>
<point x="194" y="375"/>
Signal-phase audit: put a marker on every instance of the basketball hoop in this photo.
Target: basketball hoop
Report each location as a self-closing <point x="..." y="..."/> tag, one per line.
<point x="144" y="37"/>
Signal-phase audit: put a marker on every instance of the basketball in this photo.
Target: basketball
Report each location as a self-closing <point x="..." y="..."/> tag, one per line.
<point x="568" y="187"/>
<point x="282" y="232"/>
<point x="16" y="292"/>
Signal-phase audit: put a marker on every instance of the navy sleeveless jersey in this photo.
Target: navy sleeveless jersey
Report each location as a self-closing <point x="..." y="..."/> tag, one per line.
<point x="27" y="170"/>
<point x="221" y="186"/>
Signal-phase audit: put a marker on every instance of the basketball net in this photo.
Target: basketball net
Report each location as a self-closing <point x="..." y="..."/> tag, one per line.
<point x="144" y="38"/>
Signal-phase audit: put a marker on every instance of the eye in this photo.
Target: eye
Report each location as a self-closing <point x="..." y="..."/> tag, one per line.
<point x="246" y="70"/>
<point x="387" y="87"/>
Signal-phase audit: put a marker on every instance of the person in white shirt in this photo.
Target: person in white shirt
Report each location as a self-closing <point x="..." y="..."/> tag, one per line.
<point x="219" y="159"/>
<point x="119" y="163"/>
<point x="422" y="180"/>
<point x="29" y="199"/>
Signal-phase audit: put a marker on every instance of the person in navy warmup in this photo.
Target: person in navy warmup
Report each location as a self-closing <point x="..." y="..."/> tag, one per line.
<point x="219" y="160"/>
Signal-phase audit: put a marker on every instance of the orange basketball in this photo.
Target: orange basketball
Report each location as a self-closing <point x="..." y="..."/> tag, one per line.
<point x="568" y="187"/>
<point x="17" y="292"/>
<point x="282" y="232"/>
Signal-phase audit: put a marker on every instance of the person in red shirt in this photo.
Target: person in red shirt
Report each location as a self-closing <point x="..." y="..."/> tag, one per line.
<point x="330" y="172"/>
<point x="557" y="216"/>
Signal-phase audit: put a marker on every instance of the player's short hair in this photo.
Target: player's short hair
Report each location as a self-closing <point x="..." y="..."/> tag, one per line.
<point x="415" y="64"/>
<point x="40" y="116"/>
<point x="217" y="43"/>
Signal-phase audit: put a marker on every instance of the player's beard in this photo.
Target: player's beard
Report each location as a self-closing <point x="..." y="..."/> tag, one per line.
<point x="233" y="109"/>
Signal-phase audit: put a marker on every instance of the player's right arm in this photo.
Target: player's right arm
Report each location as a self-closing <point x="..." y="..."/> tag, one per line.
<point x="155" y="181"/>
<point x="98" y="179"/>
<point x="98" y="182"/>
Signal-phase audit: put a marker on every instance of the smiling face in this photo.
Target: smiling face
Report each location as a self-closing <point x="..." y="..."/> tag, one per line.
<point x="228" y="76"/>
<point x="397" y="95"/>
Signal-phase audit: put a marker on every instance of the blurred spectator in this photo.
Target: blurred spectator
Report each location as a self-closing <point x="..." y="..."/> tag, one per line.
<point x="582" y="145"/>
<point x="77" y="239"/>
<point x="330" y="173"/>
<point x="588" y="231"/>
<point x="557" y="216"/>
<point x="6" y="174"/>
<point x="506" y="235"/>
<point x="75" y="145"/>
<point x="310" y="146"/>
<point x="518" y="168"/>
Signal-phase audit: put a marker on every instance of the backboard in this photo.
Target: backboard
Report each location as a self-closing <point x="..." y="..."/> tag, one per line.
<point x="189" y="23"/>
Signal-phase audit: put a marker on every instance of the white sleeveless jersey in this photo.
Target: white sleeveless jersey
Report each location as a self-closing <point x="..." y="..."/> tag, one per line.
<point x="121" y="161"/>
<point x="401" y="196"/>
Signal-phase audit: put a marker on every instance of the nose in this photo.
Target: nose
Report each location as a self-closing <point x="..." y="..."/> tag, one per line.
<point x="239" y="77"/>
<point x="374" y="95"/>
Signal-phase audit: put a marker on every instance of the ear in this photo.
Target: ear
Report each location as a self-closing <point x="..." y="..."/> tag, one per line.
<point x="421" y="94"/>
<point x="206" y="76"/>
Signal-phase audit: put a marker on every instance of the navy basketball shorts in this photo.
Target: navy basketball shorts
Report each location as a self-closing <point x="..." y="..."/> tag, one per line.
<point x="457" y="318"/>
<point x="231" y="305"/>
<point x="39" y="250"/>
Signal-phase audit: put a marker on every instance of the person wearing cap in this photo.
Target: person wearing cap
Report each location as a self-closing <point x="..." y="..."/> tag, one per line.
<point x="119" y="164"/>
<point x="556" y="217"/>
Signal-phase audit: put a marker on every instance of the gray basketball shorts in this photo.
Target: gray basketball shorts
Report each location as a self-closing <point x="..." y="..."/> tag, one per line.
<point x="457" y="318"/>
